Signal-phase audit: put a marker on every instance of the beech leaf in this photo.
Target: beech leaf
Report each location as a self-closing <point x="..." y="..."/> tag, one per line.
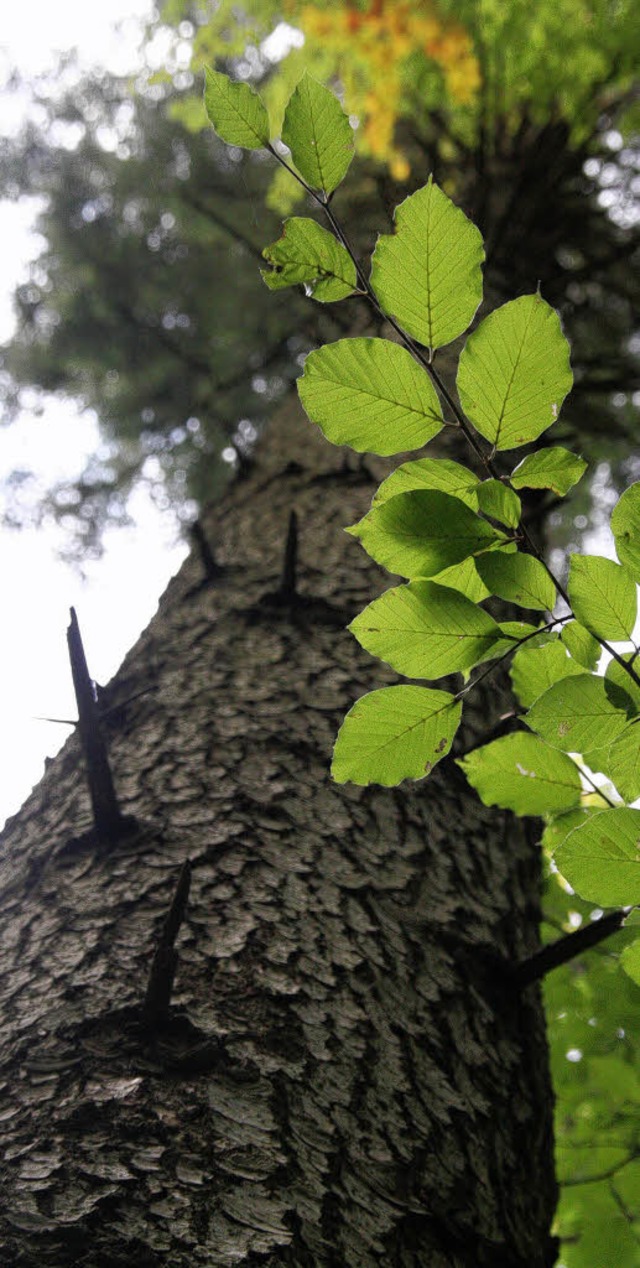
<point x="521" y="773"/>
<point x="308" y="254"/>
<point x="425" y="630"/>
<point x="319" y="135"/>
<point x="428" y="273"/>
<point x="369" y="394"/>
<point x="601" y="859"/>
<point x="394" y="734"/>
<point x="235" y="110"/>
<point x="514" y="372"/>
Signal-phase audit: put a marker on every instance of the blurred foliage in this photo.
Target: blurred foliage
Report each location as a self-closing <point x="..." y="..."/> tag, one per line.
<point x="592" y="1011"/>
<point x="144" y="304"/>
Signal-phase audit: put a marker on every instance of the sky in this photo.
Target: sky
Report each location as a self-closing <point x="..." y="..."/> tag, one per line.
<point x="116" y="596"/>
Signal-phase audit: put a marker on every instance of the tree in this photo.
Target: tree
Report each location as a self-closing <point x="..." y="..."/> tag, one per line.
<point x="379" y="1093"/>
<point x="345" y="1075"/>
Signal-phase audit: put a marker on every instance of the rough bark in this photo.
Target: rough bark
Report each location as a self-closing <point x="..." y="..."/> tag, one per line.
<point x="345" y="1077"/>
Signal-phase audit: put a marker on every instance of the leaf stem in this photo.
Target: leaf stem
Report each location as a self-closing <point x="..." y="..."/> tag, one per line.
<point x="558" y="620"/>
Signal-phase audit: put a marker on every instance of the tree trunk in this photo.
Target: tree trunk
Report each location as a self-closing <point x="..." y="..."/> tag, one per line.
<point x="344" y="1077"/>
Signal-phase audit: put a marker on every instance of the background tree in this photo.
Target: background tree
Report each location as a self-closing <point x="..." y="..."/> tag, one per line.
<point x="513" y="166"/>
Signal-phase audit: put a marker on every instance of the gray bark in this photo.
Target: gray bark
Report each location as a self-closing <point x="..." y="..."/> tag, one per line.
<point x="345" y="1077"/>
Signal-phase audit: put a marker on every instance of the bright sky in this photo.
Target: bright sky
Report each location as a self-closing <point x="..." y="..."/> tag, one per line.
<point x="117" y="596"/>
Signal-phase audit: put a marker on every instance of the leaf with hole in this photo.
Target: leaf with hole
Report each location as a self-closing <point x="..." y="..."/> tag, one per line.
<point x="576" y="715"/>
<point x="319" y="135"/>
<point x="554" y="468"/>
<point x="601" y="859"/>
<point x="427" y="275"/>
<point x="603" y="596"/>
<point x="309" y="255"/>
<point x="235" y="110"/>
<point x="394" y="734"/>
<point x="521" y="773"/>
<point x="425" y="630"/>
<point x="419" y="533"/>
<point x="369" y="394"/>
<point x="514" y="372"/>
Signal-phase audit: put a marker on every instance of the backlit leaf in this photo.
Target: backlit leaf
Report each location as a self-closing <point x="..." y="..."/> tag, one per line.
<point x="559" y="828"/>
<point x="431" y="473"/>
<point x="425" y="630"/>
<point x="535" y="669"/>
<point x="603" y="596"/>
<point x="522" y="773"/>
<point x="581" y="644"/>
<point x="428" y="273"/>
<point x="237" y="113"/>
<point x="417" y="534"/>
<point x="518" y="578"/>
<point x="601" y="859"/>
<point x="514" y="372"/>
<point x="307" y="253"/>
<point x="464" y="578"/>
<point x="623" y="762"/>
<point x="394" y="734"/>
<point x="319" y="135"/>
<point x="369" y="394"/>
<point x="630" y="960"/>
<point x="555" y="468"/>
<point x="500" y="502"/>
<point x="625" y="526"/>
<point x="621" y="681"/>
<point x="577" y="715"/>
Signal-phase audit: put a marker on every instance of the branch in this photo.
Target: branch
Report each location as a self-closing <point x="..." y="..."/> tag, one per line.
<point x="564" y="949"/>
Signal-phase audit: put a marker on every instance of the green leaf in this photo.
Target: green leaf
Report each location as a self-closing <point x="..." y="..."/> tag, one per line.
<point x="425" y="630"/>
<point x="514" y="372"/>
<point x="554" y="468"/>
<point x="431" y="473"/>
<point x="630" y="960"/>
<point x="518" y="578"/>
<point x="307" y="253"/>
<point x="465" y="579"/>
<point x="428" y="274"/>
<point x="558" y="829"/>
<point x="319" y="135"/>
<point x="370" y="394"/>
<point x="603" y="596"/>
<point x="576" y="715"/>
<point x="518" y="630"/>
<point x="521" y="773"/>
<point x="625" y="526"/>
<point x="500" y="502"/>
<point x="534" y="670"/>
<point x="601" y="859"/>
<point x="394" y="734"/>
<point x="237" y="113"/>
<point x="623" y="762"/>
<point x="581" y="644"/>
<point x="417" y="534"/>
<point x="623" y="682"/>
